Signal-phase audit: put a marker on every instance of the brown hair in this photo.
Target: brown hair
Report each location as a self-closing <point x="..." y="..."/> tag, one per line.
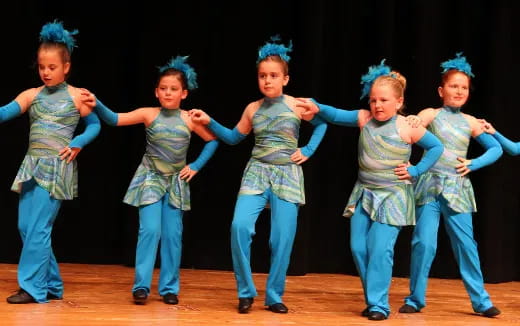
<point x="60" y="47"/>
<point x="446" y="76"/>
<point x="276" y="58"/>
<point x="173" y="72"/>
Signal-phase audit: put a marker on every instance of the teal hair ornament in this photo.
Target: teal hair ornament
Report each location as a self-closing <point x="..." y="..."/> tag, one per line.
<point x="179" y="63"/>
<point x="55" y="33"/>
<point x="274" y="48"/>
<point x="458" y="63"/>
<point x="373" y="73"/>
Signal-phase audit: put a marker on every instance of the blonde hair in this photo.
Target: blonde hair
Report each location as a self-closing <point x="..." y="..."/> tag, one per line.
<point x="395" y="80"/>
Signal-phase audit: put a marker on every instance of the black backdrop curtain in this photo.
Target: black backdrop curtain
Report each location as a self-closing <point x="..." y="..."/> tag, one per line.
<point x="120" y="48"/>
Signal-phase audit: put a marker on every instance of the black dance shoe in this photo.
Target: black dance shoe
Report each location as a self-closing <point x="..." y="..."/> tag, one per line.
<point x="365" y="312"/>
<point x="21" y="297"/>
<point x="170" y="298"/>
<point x="279" y="308"/>
<point x="244" y="305"/>
<point x="376" y="315"/>
<point x="140" y="296"/>
<point x="407" y="309"/>
<point x="491" y="312"/>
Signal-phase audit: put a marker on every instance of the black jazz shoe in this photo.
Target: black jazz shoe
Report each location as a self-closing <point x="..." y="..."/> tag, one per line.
<point x="407" y="309"/>
<point x="279" y="308"/>
<point x="140" y="296"/>
<point x="376" y="315"/>
<point x="20" y="297"/>
<point x="170" y="298"/>
<point x="491" y="312"/>
<point x="244" y="305"/>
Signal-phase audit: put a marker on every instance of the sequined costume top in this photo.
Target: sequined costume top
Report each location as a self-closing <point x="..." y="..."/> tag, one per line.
<point x="454" y="131"/>
<point x="53" y="118"/>
<point x="276" y="128"/>
<point x="384" y="197"/>
<point x="167" y="141"/>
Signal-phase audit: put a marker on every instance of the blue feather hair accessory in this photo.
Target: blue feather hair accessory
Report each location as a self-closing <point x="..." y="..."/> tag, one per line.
<point x="55" y="33"/>
<point x="458" y="63"/>
<point x="179" y="63"/>
<point x="373" y="73"/>
<point x="274" y="48"/>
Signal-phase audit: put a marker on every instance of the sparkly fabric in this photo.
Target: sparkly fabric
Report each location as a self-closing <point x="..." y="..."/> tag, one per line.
<point x="167" y="142"/>
<point x="384" y="197"/>
<point x="276" y="129"/>
<point x="53" y="118"/>
<point x="454" y="131"/>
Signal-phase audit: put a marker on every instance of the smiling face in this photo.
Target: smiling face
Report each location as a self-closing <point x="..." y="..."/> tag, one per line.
<point x="169" y="92"/>
<point x="51" y="66"/>
<point x="454" y="91"/>
<point x="384" y="101"/>
<point x="272" y="78"/>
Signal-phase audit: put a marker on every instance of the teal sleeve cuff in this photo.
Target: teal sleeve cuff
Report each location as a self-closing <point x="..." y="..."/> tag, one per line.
<point x="207" y="152"/>
<point x="107" y="115"/>
<point x="510" y="147"/>
<point x="316" y="138"/>
<point x="433" y="147"/>
<point x="10" y="111"/>
<point x="92" y="128"/>
<point x="228" y="136"/>
<point x="492" y="153"/>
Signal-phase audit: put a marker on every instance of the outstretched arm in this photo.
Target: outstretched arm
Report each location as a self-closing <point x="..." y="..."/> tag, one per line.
<point x="10" y="111"/>
<point x="108" y="116"/>
<point x="329" y="113"/>
<point x="229" y="136"/>
<point x="509" y="146"/>
<point x="20" y="104"/>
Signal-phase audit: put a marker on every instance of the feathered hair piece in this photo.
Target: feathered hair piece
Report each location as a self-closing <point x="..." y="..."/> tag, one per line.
<point x="179" y="63"/>
<point x="274" y="48"/>
<point x="373" y="73"/>
<point x="55" y="33"/>
<point x="459" y="63"/>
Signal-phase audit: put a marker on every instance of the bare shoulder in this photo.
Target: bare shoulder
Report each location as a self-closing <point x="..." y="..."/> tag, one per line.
<point x="469" y="117"/>
<point x="26" y="97"/>
<point x="364" y="117"/>
<point x="252" y="107"/>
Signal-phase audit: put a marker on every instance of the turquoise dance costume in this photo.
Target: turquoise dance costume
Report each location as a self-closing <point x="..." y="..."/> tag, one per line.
<point x="443" y="191"/>
<point x="161" y="196"/>
<point x="43" y="181"/>
<point x="270" y="178"/>
<point x="380" y="204"/>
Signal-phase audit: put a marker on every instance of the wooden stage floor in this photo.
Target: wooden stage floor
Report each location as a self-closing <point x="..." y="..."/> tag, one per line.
<point x="100" y="295"/>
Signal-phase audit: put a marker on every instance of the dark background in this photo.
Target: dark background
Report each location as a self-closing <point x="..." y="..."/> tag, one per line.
<point x="121" y="46"/>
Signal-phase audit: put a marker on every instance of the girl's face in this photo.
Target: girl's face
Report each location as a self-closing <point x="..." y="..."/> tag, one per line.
<point x="51" y="67"/>
<point x="384" y="103"/>
<point x="455" y="90"/>
<point x="271" y="78"/>
<point x="170" y="93"/>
